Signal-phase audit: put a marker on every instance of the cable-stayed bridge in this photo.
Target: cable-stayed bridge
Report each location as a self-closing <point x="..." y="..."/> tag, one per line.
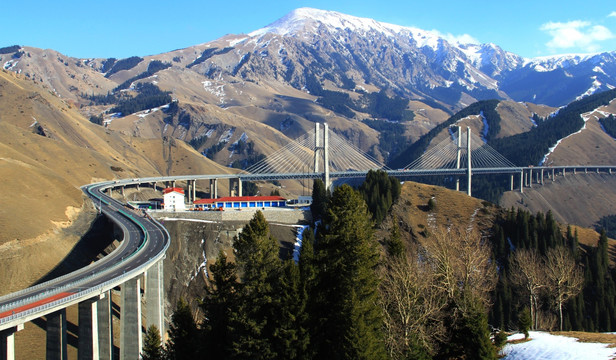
<point x="321" y="153"/>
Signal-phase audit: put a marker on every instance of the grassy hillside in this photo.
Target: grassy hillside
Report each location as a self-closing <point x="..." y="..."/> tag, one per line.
<point x="47" y="151"/>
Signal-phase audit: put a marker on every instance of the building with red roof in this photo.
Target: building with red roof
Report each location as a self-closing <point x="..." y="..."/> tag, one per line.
<point x="173" y="199"/>
<point x="240" y="202"/>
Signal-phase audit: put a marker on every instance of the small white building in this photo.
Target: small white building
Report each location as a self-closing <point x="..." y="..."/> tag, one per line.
<point x="173" y="199"/>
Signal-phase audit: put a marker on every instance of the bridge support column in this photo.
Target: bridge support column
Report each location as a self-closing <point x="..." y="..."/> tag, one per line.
<point x="7" y="342"/>
<point x="194" y="190"/>
<point x="541" y="176"/>
<point x="458" y="157"/>
<point x="530" y="178"/>
<point x="122" y="191"/>
<point x="154" y="185"/>
<point x="130" y="320"/>
<point x="138" y="187"/>
<point x="56" y="335"/>
<point x="88" y="330"/>
<point x="326" y="155"/>
<point x="317" y="146"/>
<point x="105" y="327"/>
<point x="553" y="175"/>
<point x="213" y="188"/>
<point x="511" y="178"/>
<point x="155" y="297"/>
<point x="522" y="181"/>
<point x="239" y="187"/>
<point x="468" y="156"/>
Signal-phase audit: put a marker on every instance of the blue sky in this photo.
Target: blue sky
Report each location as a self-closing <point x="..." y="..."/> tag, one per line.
<point x="88" y="29"/>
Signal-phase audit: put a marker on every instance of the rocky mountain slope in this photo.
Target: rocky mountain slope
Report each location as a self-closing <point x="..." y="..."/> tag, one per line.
<point x="295" y="71"/>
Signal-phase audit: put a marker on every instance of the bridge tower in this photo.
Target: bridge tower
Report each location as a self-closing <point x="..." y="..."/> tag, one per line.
<point x="322" y="149"/>
<point x="468" y="156"/>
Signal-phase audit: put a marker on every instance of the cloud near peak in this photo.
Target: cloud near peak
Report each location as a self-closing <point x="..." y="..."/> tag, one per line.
<point x="576" y="34"/>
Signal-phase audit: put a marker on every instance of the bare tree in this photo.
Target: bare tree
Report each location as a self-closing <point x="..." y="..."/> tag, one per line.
<point x="527" y="270"/>
<point x="412" y="305"/>
<point x="564" y="276"/>
<point x="462" y="262"/>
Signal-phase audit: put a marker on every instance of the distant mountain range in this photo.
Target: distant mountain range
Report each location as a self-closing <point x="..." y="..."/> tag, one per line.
<point x="347" y="52"/>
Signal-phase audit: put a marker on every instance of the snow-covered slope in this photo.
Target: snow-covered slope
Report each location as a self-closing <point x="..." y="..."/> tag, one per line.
<point x="549" y="347"/>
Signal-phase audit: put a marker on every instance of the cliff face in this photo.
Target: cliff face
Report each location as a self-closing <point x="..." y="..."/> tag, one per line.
<point x="196" y="243"/>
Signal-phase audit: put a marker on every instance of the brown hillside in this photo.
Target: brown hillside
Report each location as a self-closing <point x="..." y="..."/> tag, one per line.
<point x="580" y="199"/>
<point x="452" y="208"/>
<point x="590" y="146"/>
<point x="47" y="151"/>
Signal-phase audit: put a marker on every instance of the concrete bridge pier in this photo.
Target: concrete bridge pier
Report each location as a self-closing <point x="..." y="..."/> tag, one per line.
<point x="194" y="190"/>
<point x="87" y="347"/>
<point x="130" y="320"/>
<point x="154" y="185"/>
<point x="155" y="297"/>
<point x="56" y="335"/>
<point x="553" y="175"/>
<point x="511" y="178"/>
<point x="468" y="157"/>
<point x="530" y="178"/>
<point x="105" y="327"/>
<point x="213" y="188"/>
<point x="7" y="342"/>
<point x="541" y="176"/>
<point x="522" y="181"/>
<point x="232" y="183"/>
<point x="189" y="192"/>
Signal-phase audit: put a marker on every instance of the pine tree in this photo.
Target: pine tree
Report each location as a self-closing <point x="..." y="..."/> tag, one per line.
<point x="524" y="321"/>
<point x="350" y="319"/>
<point x="152" y="348"/>
<point x="290" y="335"/>
<point x="320" y="197"/>
<point x="395" y="247"/>
<point x="260" y="269"/>
<point x="183" y="333"/>
<point x="220" y="306"/>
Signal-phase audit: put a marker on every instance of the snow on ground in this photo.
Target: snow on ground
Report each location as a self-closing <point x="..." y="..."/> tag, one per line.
<point x="190" y="220"/>
<point x="298" y="241"/>
<point x="544" y="346"/>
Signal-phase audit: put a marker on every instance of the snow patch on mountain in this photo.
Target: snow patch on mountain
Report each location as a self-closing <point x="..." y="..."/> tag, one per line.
<point x="585" y="117"/>
<point x="596" y="85"/>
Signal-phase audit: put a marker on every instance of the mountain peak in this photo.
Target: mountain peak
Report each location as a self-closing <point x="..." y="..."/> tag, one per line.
<point x="309" y="18"/>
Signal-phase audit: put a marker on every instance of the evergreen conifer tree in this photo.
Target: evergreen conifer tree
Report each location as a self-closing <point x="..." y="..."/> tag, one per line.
<point x="320" y="197"/>
<point x="220" y="306"/>
<point x="260" y="268"/>
<point x="183" y="333"/>
<point x="349" y="316"/>
<point x="152" y="348"/>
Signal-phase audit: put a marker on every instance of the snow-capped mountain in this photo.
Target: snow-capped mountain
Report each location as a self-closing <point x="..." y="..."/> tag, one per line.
<point x="345" y="53"/>
<point x="410" y="61"/>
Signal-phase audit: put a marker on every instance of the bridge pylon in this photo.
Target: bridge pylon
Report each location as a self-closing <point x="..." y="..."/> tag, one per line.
<point x="322" y="151"/>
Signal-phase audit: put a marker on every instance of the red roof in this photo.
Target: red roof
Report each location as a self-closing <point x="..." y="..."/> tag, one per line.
<point x="172" y="189"/>
<point x="239" y="198"/>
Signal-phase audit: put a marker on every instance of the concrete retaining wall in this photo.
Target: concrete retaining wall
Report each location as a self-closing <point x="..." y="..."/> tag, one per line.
<point x="272" y="215"/>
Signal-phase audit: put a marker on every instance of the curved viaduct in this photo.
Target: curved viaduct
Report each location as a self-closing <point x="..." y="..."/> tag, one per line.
<point x="140" y="255"/>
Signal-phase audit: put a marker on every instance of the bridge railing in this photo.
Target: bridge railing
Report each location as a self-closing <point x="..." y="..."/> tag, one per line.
<point x="99" y="288"/>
